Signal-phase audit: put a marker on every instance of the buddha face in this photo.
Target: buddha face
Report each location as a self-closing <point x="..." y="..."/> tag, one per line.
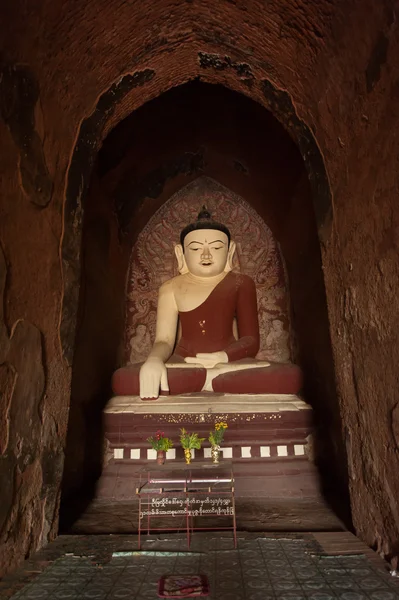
<point x="206" y="252"/>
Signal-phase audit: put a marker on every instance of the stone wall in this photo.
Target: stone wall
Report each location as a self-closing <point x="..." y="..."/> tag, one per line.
<point x="34" y="381"/>
<point x="70" y="72"/>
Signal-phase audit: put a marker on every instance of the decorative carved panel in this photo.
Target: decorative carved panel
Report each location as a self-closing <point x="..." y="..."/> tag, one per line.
<point x="153" y="262"/>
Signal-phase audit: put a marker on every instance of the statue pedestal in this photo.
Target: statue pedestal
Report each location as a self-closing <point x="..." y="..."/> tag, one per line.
<point x="268" y="441"/>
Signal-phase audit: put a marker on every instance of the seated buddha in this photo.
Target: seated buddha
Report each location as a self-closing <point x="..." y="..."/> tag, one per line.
<point x="218" y="314"/>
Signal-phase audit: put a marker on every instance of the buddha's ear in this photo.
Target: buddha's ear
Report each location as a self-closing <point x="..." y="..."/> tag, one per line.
<point x="230" y="256"/>
<point x="181" y="261"/>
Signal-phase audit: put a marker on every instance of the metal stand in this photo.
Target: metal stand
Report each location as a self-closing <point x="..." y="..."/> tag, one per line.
<point x="187" y="492"/>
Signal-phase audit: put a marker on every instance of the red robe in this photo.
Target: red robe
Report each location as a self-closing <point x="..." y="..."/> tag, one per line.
<point x="209" y="328"/>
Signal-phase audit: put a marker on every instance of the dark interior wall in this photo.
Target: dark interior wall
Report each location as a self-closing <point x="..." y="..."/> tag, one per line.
<point x="190" y="131"/>
<point x="34" y="380"/>
<point x="362" y="277"/>
<point x="99" y="325"/>
<point x="312" y="328"/>
<point x="71" y="71"/>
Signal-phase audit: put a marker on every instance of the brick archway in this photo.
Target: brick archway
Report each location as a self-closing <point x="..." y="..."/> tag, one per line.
<point x="111" y="108"/>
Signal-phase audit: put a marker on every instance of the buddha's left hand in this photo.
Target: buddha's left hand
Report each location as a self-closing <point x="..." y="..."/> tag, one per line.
<point x="208" y="359"/>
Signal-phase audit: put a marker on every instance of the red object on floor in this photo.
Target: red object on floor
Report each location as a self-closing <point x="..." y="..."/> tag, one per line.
<point x="183" y="586"/>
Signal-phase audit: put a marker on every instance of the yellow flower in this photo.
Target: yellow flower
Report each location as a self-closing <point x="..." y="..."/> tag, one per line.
<point x="220" y="425"/>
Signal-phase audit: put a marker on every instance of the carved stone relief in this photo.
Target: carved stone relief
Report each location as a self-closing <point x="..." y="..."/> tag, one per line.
<point x="22" y="444"/>
<point x="152" y="263"/>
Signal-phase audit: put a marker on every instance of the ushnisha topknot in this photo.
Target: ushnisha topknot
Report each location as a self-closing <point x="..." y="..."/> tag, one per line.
<point x="204" y="221"/>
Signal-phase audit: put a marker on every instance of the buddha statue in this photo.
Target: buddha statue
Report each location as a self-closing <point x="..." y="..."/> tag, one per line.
<point x="218" y="314"/>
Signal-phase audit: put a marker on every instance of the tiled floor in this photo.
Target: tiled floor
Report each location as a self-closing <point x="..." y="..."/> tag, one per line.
<point x="261" y="568"/>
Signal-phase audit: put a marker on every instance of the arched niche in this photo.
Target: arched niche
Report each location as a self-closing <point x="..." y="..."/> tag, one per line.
<point x="132" y="90"/>
<point x="193" y="131"/>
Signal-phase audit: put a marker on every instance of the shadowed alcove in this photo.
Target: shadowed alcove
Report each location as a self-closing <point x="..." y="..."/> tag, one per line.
<point x="191" y="132"/>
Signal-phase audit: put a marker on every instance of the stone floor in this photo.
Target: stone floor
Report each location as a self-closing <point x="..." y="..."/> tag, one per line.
<point x="263" y="567"/>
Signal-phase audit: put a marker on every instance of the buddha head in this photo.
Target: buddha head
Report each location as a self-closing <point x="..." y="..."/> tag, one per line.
<point x="206" y="248"/>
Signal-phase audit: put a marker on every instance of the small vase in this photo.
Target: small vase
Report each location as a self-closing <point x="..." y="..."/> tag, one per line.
<point x="215" y="454"/>
<point x="160" y="457"/>
<point x="187" y="455"/>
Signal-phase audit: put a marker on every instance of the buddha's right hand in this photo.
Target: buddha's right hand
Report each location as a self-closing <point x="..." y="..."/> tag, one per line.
<point x="153" y="375"/>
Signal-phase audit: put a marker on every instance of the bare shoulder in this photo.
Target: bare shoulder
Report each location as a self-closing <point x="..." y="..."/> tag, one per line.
<point x="170" y="286"/>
